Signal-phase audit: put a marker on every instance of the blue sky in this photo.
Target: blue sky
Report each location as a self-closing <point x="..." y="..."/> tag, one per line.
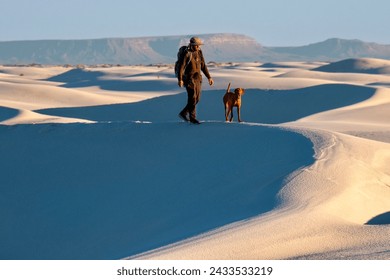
<point x="271" y="22"/>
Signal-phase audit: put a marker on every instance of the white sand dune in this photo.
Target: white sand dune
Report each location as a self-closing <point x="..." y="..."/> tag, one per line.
<point x="358" y="65"/>
<point x="96" y="165"/>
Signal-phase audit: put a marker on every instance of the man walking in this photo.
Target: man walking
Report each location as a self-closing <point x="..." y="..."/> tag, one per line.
<point x="190" y="76"/>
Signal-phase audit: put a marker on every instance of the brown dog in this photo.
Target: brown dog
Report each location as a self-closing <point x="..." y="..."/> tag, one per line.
<point x="232" y="99"/>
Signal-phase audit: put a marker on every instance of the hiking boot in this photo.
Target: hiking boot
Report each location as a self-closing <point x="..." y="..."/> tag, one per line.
<point x="183" y="117"/>
<point x="194" y="121"/>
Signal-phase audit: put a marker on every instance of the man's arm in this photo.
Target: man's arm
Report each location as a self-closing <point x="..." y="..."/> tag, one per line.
<point x="182" y="68"/>
<point x="205" y="70"/>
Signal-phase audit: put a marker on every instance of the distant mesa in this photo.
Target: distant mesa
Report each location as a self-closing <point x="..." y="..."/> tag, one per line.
<point x="220" y="47"/>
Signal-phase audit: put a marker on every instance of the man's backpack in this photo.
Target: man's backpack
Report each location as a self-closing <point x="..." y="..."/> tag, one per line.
<point x="180" y="57"/>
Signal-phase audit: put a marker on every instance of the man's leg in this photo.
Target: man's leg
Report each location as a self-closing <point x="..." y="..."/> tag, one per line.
<point x="194" y="101"/>
<point x="191" y="102"/>
<point x="189" y="106"/>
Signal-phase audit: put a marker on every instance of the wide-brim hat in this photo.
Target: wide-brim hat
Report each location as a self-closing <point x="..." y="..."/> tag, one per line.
<point x="195" y="41"/>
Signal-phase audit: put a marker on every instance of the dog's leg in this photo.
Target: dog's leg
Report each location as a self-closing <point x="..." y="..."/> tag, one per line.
<point x="238" y="113"/>
<point x="231" y="114"/>
<point x="226" y="112"/>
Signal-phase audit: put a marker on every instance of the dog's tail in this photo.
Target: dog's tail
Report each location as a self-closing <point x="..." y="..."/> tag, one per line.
<point x="228" y="88"/>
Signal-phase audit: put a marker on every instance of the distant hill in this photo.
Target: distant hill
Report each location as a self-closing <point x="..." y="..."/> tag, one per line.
<point x="153" y="50"/>
<point x="331" y="50"/>
<point x="146" y="50"/>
